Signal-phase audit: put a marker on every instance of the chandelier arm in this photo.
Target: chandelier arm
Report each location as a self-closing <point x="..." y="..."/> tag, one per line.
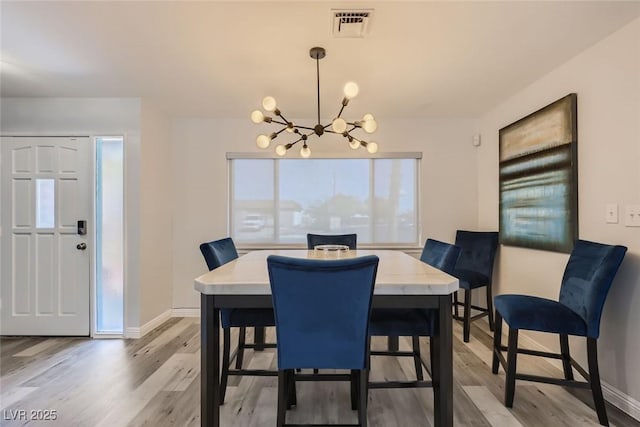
<point x="341" y="110"/>
<point x="280" y="123"/>
<point x="281" y="130"/>
<point x="304" y="127"/>
<point x="347" y="134"/>
<point x="283" y="117"/>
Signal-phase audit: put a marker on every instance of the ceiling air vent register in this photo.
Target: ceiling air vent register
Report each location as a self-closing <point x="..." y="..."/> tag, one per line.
<point x="351" y="22"/>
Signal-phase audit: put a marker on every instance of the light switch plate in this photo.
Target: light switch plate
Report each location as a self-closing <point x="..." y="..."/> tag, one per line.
<point x="611" y="213"/>
<point x="632" y="216"/>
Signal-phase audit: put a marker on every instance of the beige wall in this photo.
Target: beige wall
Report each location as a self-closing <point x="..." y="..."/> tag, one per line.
<point x="448" y="173"/>
<point x="156" y="212"/>
<point x="606" y="78"/>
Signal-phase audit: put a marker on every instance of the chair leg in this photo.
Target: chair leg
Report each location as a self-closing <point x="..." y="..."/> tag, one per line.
<point x="497" y="343"/>
<point x="510" y="381"/>
<point x="240" y="353"/>
<point x="292" y="399"/>
<point x="466" y="329"/>
<point x="490" y="306"/>
<point x="363" y="378"/>
<point x="594" y="379"/>
<point x="226" y="350"/>
<point x="282" y="398"/>
<point x="566" y="357"/>
<point x="417" y="361"/>
<point x="355" y="378"/>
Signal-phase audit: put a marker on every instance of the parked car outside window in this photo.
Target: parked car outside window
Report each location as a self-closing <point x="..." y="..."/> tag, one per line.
<point x="253" y="223"/>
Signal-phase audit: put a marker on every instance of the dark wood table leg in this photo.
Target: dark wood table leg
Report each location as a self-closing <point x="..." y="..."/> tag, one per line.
<point x="392" y="343"/>
<point x="443" y="399"/>
<point x="209" y="362"/>
<point x="258" y="339"/>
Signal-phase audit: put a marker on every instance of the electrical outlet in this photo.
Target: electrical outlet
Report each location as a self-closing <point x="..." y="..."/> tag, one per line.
<point x="611" y="213"/>
<point x="632" y="216"/>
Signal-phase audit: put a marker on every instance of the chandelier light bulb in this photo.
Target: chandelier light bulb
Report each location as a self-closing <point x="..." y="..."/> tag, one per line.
<point x="257" y="116"/>
<point x="339" y="125"/>
<point x="372" y="147"/>
<point x="351" y="90"/>
<point x="269" y="103"/>
<point x="367" y="116"/>
<point x="263" y="141"/>
<point x="355" y="144"/>
<point x="281" y="150"/>
<point x="305" y="152"/>
<point x="370" y="126"/>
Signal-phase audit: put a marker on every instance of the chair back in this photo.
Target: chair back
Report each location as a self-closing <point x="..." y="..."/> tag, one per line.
<point x="587" y="279"/>
<point x="440" y="255"/>
<point x="219" y="252"/>
<point x="477" y="251"/>
<point x="322" y="310"/>
<point x="314" y="240"/>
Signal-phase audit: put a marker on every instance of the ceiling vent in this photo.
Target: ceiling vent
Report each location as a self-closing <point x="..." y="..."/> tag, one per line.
<point x="351" y="22"/>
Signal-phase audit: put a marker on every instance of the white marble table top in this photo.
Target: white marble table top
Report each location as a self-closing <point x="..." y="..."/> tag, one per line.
<point x="398" y="274"/>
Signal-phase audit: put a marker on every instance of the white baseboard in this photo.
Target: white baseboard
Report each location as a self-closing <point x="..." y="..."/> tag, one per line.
<point x="621" y="401"/>
<point x="149" y="326"/>
<point x="185" y="312"/>
<point x="625" y="403"/>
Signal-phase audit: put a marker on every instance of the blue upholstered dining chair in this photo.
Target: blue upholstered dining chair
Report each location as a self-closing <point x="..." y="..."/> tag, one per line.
<point x="322" y="310"/>
<point x="415" y="322"/>
<point x="585" y="284"/>
<point x="314" y="240"/>
<point x="217" y="253"/>
<point x="474" y="270"/>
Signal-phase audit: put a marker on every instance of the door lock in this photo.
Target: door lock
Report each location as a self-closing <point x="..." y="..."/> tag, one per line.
<point x="81" y="246"/>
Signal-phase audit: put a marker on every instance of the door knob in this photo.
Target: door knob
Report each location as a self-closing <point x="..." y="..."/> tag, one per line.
<point x="81" y="246"/>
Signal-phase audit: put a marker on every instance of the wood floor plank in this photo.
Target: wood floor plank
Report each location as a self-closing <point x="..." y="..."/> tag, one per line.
<point x="492" y="409"/>
<point x="155" y="381"/>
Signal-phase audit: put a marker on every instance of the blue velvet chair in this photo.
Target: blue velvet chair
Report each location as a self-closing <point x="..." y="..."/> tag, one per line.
<point x="585" y="284"/>
<point x="474" y="270"/>
<point x="217" y="253"/>
<point x="322" y="310"/>
<point x="314" y="240"/>
<point x="412" y="322"/>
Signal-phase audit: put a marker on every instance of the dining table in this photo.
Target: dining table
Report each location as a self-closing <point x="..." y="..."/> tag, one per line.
<point x="402" y="281"/>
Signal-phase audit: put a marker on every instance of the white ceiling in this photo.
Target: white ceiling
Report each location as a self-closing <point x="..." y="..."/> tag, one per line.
<point x="218" y="59"/>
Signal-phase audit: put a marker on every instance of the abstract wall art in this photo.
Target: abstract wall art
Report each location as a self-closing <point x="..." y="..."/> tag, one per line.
<point x="539" y="178"/>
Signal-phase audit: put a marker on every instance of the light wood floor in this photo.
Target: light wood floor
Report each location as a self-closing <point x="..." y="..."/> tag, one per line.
<point x="154" y="381"/>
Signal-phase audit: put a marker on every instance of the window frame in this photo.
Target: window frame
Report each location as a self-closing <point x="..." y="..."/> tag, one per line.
<point x="243" y="246"/>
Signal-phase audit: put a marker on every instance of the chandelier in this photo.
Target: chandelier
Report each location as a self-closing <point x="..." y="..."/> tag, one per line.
<point x="337" y="126"/>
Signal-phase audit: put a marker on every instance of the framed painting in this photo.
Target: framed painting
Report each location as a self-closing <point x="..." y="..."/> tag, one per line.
<point x="539" y="178"/>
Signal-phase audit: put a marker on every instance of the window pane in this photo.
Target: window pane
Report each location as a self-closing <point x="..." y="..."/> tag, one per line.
<point x="374" y="198"/>
<point x="45" y="203"/>
<point x="395" y="201"/>
<point x="253" y="201"/>
<point x="110" y="235"/>
<point x="323" y="196"/>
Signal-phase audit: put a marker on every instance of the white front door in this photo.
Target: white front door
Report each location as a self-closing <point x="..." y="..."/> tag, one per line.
<point x="46" y="256"/>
